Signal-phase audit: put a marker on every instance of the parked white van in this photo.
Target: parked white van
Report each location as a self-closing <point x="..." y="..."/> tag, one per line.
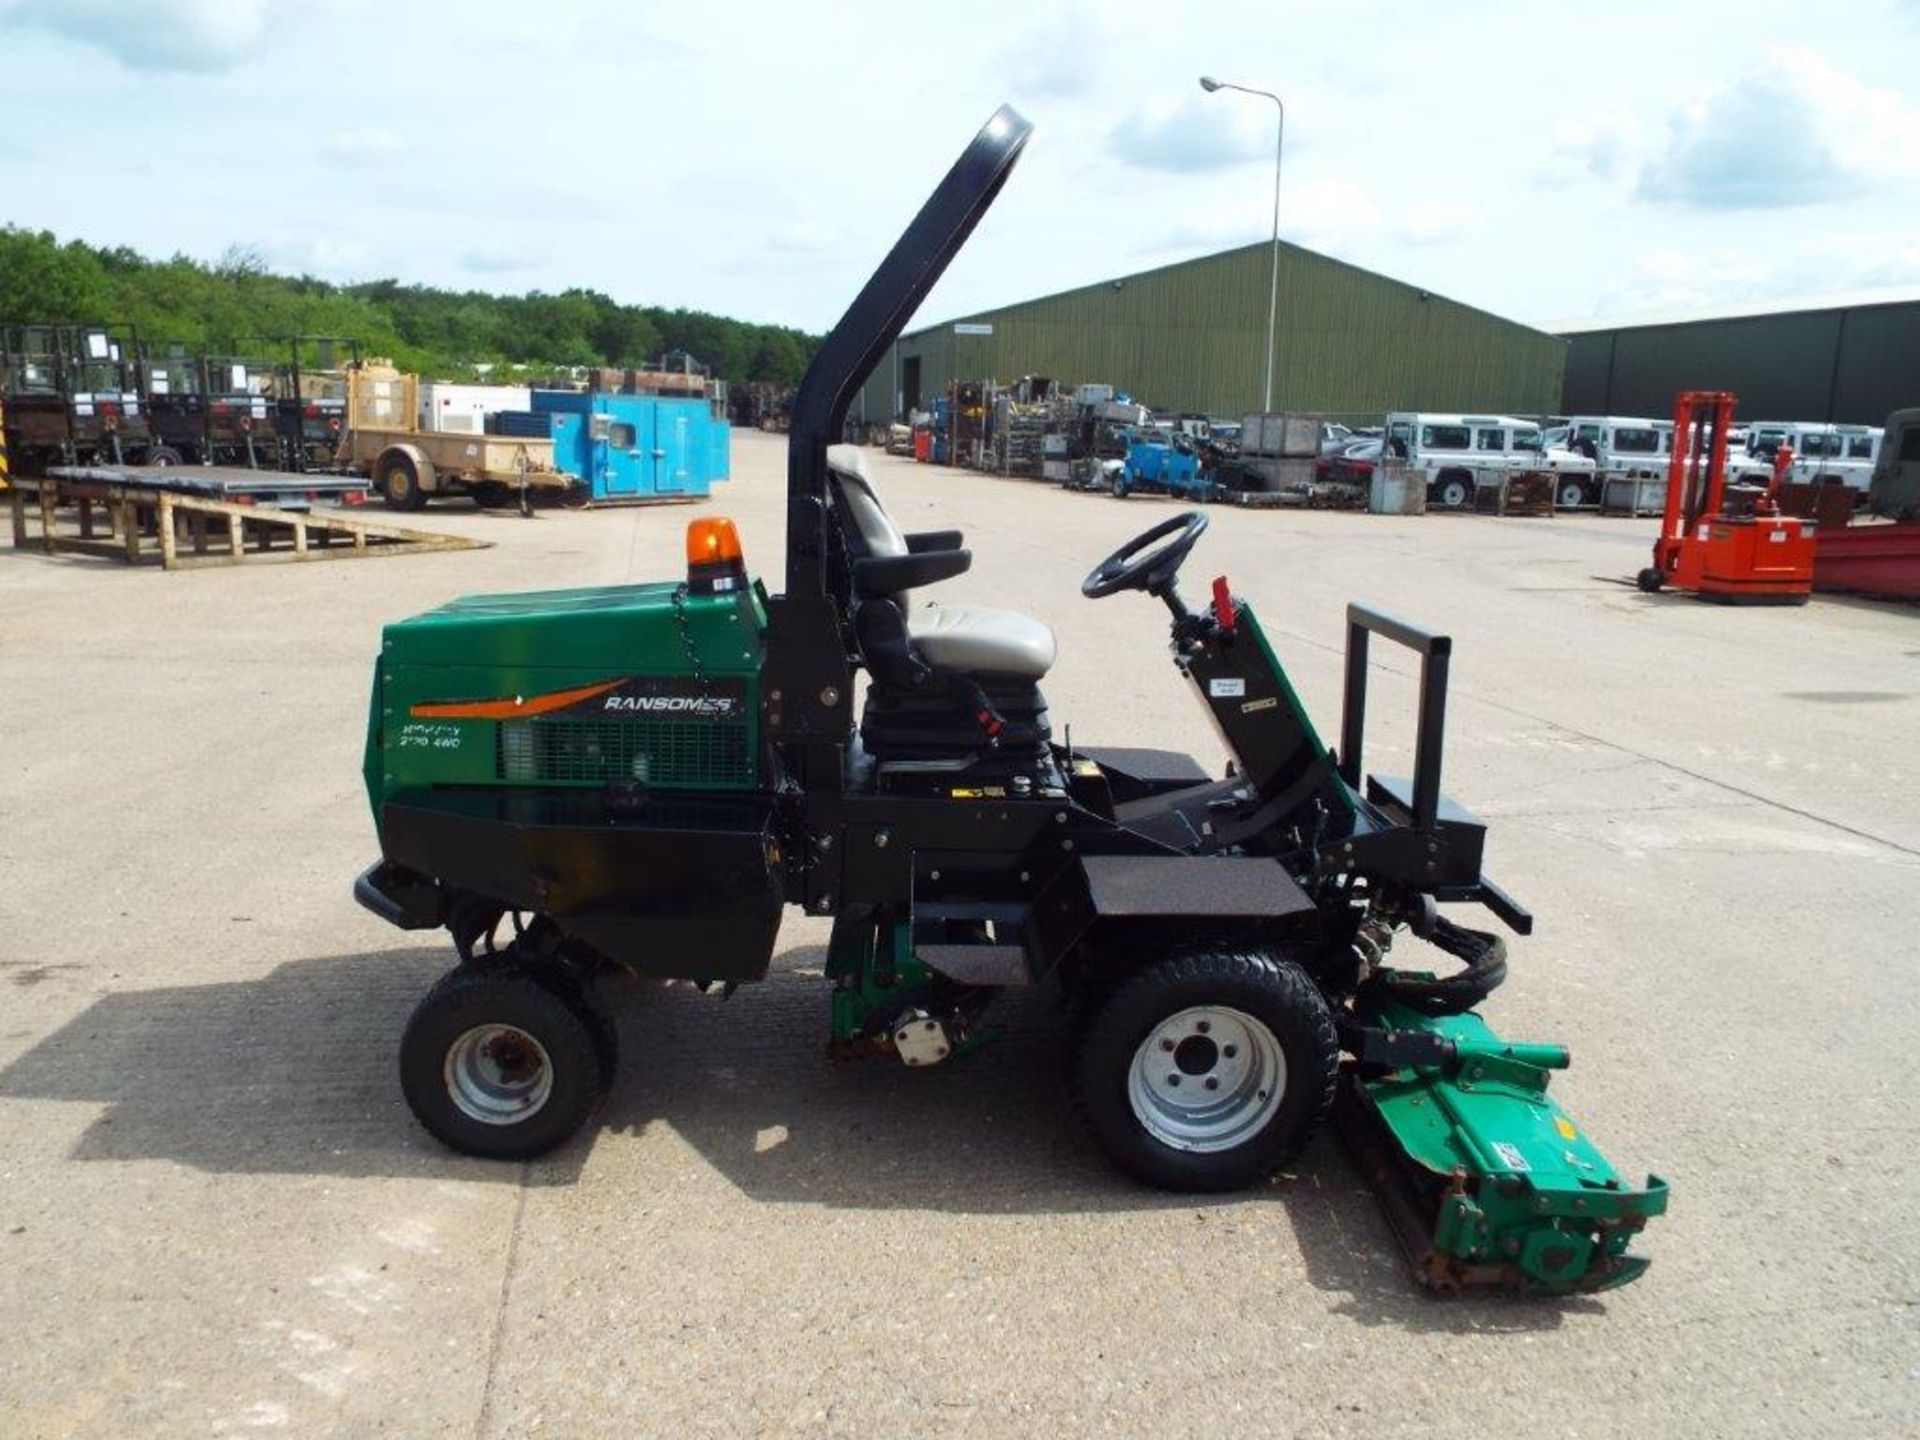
<point x="1634" y="446"/>
<point x="1455" y="452"/>
<point x="1821" y="453"/>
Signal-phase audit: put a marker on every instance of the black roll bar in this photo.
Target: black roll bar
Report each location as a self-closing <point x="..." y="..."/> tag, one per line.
<point x="1435" y="652"/>
<point x="873" y="322"/>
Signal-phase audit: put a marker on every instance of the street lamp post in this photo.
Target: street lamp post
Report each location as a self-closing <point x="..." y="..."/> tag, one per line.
<point x="1210" y="85"/>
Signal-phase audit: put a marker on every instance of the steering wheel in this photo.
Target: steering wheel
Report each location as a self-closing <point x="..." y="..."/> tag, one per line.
<point x="1154" y="570"/>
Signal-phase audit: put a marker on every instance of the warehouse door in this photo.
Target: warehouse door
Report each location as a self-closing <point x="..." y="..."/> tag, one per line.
<point x="910" y="382"/>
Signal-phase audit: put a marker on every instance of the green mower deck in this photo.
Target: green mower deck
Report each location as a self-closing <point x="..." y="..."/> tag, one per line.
<point x="1484" y="1179"/>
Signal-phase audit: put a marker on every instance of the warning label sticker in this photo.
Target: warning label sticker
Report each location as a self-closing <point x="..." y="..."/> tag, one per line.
<point x="1510" y="1156"/>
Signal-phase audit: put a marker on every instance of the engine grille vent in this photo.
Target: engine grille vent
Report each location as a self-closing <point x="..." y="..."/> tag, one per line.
<point x="671" y="753"/>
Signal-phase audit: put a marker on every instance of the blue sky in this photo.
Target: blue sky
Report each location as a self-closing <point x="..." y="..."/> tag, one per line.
<point x="1553" y="163"/>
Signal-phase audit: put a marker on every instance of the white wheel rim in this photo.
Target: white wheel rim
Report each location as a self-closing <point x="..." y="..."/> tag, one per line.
<point x="498" y="1074"/>
<point x="1208" y="1078"/>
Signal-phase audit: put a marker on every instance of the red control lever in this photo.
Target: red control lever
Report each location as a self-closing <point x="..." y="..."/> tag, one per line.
<point x="1222" y="603"/>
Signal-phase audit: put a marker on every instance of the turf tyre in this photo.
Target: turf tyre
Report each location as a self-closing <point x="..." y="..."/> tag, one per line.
<point x="476" y="998"/>
<point x="1271" y="991"/>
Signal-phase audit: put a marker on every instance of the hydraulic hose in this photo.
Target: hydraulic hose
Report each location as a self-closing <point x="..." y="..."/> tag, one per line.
<point x="1486" y="961"/>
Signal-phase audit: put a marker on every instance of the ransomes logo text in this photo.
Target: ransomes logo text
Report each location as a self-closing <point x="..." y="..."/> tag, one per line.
<point x="669" y="704"/>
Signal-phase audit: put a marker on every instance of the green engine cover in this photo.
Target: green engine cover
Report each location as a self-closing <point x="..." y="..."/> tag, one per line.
<point x="617" y="685"/>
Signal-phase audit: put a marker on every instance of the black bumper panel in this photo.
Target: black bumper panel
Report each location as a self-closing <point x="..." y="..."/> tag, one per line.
<point x="678" y="888"/>
<point x="399" y="896"/>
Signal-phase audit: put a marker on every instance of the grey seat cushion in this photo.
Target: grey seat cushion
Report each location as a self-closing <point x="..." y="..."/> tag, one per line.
<point x="949" y="637"/>
<point x="981" y="641"/>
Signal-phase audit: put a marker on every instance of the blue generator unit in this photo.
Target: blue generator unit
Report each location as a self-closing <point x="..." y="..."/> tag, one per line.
<point x="636" y="447"/>
<point x="1167" y="466"/>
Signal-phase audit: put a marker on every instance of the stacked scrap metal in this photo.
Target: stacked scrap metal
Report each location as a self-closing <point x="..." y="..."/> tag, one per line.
<point x="1019" y="435"/>
<point x="968" y="402"/>
<point x="760" y="405"/>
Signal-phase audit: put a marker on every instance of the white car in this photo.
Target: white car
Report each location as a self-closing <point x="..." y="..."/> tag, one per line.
<point x="1821" y="453"/>
<point x="1456" y="452"/>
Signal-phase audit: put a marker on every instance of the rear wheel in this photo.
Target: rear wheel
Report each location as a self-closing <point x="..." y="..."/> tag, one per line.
<point x="399" y="483"/>
<point x="1455" y="492"/>
<point x="1209" y="1071"/>
<point x="497" y="1064"/>
<point x="164" y="455"/>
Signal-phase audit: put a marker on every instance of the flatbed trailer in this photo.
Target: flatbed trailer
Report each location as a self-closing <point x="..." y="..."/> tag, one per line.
<point x="409" y="466"/>
<point x="238" y="484"/>
<point x="182" y="519"/>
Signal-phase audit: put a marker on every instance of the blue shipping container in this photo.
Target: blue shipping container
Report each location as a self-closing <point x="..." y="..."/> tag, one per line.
<point x="636" y="447"/>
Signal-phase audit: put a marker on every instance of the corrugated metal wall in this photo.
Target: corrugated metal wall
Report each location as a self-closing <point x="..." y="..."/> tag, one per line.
<point x="1189" y="337"/>
<point x="1851" y="365"/>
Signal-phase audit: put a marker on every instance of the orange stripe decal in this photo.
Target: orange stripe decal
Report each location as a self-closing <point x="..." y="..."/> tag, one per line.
<point x="514" y="708"/>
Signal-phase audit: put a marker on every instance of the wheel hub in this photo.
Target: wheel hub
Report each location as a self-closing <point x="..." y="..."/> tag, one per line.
<point x="1207" y="1078"/>
<point x="498" y="1074"/>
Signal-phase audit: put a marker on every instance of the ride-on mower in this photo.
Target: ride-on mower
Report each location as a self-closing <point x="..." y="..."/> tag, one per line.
<point x="639" y="778"/>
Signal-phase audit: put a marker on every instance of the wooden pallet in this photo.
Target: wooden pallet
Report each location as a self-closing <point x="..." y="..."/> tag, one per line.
<point x="184" y="532"/>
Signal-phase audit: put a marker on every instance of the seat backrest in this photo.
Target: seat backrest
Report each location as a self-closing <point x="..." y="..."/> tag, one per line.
<point x="860" y="503"/>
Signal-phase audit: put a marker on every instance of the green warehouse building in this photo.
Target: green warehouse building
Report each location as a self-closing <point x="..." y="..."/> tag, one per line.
<point x="1188" y="338"/>
<point x="1849" y="363"/>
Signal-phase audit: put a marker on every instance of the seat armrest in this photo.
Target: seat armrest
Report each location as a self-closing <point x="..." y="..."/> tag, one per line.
<point x="928" y="541"/>
<point x="890" y="574"/>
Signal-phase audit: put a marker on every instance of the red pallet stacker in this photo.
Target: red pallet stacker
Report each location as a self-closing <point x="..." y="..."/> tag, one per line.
<point x="1759" y="557"/>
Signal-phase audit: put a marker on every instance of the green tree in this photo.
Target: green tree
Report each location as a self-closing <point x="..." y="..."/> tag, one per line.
<point x="444" y="334"/>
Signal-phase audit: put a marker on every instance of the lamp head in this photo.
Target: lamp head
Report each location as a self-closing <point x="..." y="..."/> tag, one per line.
<point x="1209" y="84"/>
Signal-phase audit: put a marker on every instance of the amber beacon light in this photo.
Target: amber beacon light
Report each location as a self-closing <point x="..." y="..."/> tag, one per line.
<point x="714" y="562"/>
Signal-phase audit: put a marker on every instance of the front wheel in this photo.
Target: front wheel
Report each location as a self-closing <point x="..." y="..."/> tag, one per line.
<point x="496" y="1064"/>
<point x="1120" y="487"/>
<point x="164" y="455"/>
<point x="1650" y="580"/>
<point x="1208" y="1072"/>
<point x="1572" y="494"/>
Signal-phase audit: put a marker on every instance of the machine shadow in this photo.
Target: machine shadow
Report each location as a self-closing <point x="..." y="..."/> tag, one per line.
<point x="293" y="1073"/>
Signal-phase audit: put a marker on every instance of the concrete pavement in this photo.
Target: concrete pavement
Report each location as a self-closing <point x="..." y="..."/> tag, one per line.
<point x="217" y="1216"/>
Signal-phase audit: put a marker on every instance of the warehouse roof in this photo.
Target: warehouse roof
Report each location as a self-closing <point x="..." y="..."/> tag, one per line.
<point x="1212" y="258"/>
<point x="1804" y="304"/>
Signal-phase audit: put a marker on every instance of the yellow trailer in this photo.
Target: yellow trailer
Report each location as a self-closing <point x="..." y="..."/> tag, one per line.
<point x="410" y="466"/>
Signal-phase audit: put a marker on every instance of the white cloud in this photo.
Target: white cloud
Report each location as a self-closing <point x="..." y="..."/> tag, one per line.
<point x="328" y="257"/>
<point x="369" y="143"/>
<point x="202" y="36"/>
<point x="1334" y="216"/>
<point x="1201" y="132"/>
<point x="1796" y="130"/>
<point x="1061" y="59"/>
<point x="804" y="237"/>
<point x="502" y="259"/>
<point x="1605" y="147"/>
<point x="1670" y="278"/>
<point x="1434" y="222"/>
